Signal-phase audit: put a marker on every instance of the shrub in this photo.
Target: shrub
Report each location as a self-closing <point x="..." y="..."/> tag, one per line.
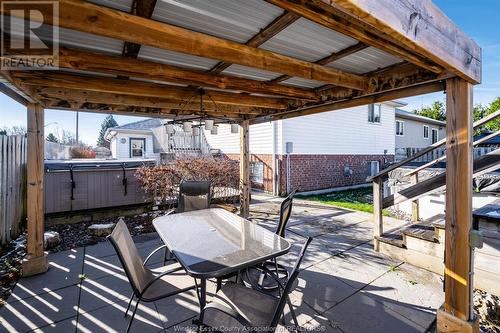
<point x="80" y="152"/>
<point x="162" y="181"/>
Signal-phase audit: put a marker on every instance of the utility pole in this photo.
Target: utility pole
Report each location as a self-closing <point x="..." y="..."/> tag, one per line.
<point x="77" y="127"/>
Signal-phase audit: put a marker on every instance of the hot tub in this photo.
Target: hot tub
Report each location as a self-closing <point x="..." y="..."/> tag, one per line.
<point x="86" y="184"/>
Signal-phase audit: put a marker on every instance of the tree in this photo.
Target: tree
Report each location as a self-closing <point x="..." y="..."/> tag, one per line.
<point x="435" y="111"/>
<point x="52" y="138"/>
<point x="494" y="125"/>
<point x="108" y="122"/>
<point x="68" y="138"/>
<point x="14" y="130"/>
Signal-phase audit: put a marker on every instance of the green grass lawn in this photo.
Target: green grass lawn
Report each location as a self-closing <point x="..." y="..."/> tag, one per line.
<point x="357" y="199"/>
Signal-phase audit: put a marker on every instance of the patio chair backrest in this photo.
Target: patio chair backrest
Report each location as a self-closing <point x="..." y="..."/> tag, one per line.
<point x="285" y="212"/>
<point x="289" y="284"/>
<point x="193" y="195"/>
<point x="137" y="274"/>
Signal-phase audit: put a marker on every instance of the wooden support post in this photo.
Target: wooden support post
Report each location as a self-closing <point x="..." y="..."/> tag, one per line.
<point x="244" y="169"/>
<point x="414" y="204"/>
<point x="455" y="315"/>
<point x="36" y="260"/>
<point x="378" y="223"/>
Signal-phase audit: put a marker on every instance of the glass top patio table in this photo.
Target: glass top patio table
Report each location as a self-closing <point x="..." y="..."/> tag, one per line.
<point x="213" y="242"/>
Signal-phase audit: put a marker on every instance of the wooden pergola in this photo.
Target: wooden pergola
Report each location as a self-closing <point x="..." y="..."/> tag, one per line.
<point x="290" y="58"/>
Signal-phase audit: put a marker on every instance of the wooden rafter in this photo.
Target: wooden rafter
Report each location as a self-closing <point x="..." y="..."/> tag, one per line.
<point x="329" y="59"/>
<point x="137" y="88"/>
<point x="277" y="25"/>
<point x="383" y="96"/>
<point x="94" y="19"/>
<point x="101" y="63"/>
<point x="141" y="8"/>
<point x="336" y="20"/>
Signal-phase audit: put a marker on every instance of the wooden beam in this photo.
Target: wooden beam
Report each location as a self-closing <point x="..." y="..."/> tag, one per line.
<point x="140" y="101"/>
<point x="378" y="218"/>
<point x="137" y="88"/>
<point x="101" y="63"/>
<point x="94" y="19"/>
<point x="12" y="94"/>
<point x="459" y="170"/>
<point x="420" y="26"/>
<point x="244" y="169"/>
<point x="36" y="261"/>
<point x="328" y="15"/>
<point x="329" y="59"/>
<point x="383" y="96"/>
<point x="277" y="25"/>
<point x="142" y="8"/>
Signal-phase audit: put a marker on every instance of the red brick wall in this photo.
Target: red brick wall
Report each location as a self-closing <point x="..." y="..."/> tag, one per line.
<point x="315" y="172"/>
<point x="266" y="159"/>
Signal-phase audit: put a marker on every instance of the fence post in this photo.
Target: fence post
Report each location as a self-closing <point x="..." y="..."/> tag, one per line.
<point x="378" y="223"/>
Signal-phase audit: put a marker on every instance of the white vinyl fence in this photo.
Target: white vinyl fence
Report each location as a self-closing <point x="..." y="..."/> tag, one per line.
<point x="12" y="185"/>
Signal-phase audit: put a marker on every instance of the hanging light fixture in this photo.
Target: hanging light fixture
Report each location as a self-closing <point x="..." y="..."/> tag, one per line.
<point x="214" y="130"/>
<point x="187" y="126"/>
<point x="209" y="124"/>
<point x="235" y="128"/>
<point x="170" y="128"/>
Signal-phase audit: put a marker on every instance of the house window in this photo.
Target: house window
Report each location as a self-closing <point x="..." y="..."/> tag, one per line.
<point x="373" y="168"/>
<point x="426" y="132"/>
<point x="257" y="172"/>
<point x="374" y="111"/>
<point x="434" y="135"/>
<point x="400" y="128"/>
<point x="137" y="147"/>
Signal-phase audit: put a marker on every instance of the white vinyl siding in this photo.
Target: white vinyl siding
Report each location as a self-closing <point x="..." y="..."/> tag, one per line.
<point x="260" y="137"/>
<point x="414" y="134"/>
<point x="121" y="149"/>
<point x="341" y="132"/>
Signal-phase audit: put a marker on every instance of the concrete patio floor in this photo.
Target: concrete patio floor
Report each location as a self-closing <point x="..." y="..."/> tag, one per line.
<point x="344" y="287"/>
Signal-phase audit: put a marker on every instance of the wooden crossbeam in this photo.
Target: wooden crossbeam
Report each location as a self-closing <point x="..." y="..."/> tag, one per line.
<point x="349" y="102"/>
<point x="277" y="25"/>
<point x="101" y="63"/>
<point x="141" y="8"/>
<point x="94" y="19"/>
<point x="139" y="101"/>
<point x="137" y="88"/>
<point x="329" y="59"/>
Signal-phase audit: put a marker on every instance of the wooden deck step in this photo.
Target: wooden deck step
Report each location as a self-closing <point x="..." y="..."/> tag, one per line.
<point x="395" y="238"/>
<point x="422" y="231"/>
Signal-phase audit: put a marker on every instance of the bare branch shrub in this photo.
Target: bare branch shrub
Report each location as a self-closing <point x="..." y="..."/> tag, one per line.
<point x="162" y="181"/>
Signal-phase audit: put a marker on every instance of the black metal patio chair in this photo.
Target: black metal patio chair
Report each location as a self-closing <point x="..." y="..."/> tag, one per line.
<point x="256" y="276"/>
<point x="236" y="306"/>
<point x="147" y="285"/>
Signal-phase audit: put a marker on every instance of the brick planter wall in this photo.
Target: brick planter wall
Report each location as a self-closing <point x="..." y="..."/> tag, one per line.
<point x="316" y="172"/>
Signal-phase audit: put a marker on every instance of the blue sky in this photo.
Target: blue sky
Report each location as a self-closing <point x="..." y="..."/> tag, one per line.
<point x="477" y="18"/>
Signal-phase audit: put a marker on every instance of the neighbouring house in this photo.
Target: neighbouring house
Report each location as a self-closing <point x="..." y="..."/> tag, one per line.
<point x="415" y="131"/>
<point x="134" y="140"/>
<point x="315" y="152"/>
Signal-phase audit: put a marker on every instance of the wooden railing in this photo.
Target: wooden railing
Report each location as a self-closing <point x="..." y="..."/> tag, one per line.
<point x="484" y="164"/>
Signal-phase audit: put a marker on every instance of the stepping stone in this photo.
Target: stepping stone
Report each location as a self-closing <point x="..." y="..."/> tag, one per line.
<point x="101" y="230"/>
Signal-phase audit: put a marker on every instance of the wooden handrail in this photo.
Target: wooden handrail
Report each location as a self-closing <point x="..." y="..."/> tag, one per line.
<point x="430" y="148"/>
<point x="442" y="158"/>
<point x="482" y="165"/>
